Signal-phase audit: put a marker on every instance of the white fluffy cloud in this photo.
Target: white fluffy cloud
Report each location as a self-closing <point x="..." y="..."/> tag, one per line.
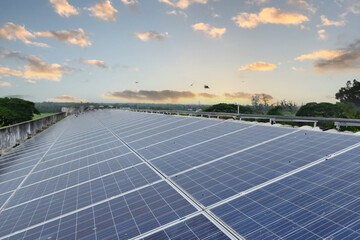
<point x="146" y="36"/>
<point x="63" y="8"/>
<point x="11" y="31"/>
<point x="104" y="11"/>
<point x="76" y="37"/>
<point x="212" y="32"/>
<point x="269" y="15"/>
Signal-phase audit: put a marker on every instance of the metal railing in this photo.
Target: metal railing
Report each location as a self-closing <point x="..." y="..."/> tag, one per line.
<point x="338" y="122"/>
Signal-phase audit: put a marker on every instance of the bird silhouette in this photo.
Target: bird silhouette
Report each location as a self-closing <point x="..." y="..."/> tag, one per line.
<point x="206" y="86"/>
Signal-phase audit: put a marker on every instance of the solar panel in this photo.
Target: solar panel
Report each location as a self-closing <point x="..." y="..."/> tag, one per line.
<point x="319" y="202"/>
<point x="123" y="175"/>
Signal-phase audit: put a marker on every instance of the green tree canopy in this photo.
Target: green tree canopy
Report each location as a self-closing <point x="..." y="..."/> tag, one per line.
<point x="350" y="93"/>
<point x="228" y="108"/>
<point x="339" y="110"/>
<point x="15" y="110"/>
<point x="277" y="110"/>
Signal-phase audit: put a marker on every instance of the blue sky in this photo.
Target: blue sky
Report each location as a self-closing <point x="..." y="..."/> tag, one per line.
<point x="167" y="50"/>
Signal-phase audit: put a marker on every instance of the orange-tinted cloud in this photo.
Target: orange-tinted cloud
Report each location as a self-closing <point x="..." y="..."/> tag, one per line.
<point x="258" y="66"/>
<point x="104" y="11"/>
<point x="238" y="95"/>
<point x="63" y="8"/>
<point x="247" y="96"/>
<point x="269" y="15"/>
<point x="322" y="34"/>
<point x="37" y="69"/>
<point x="209" y="30"/>
<point x="327" y="22"/>
<point x="146" y="36"/>
<point x="182" y="3"/>
<point x="303" y="5"/>
<point x="321" y="54"/>
<point x="8" y="71"/>
<point x="177" y="13"/>
<point x="5" y="84"/>
<point x="65" y="98"/>
<point x="11" y="31"/>
<point x="31" y="81"/>
<point x="131" y="3"/>
<point x="347" y="60"/>
<point x="76" y="37"/>
<point x="97" y="63"/>
<point x="156" y="96"/>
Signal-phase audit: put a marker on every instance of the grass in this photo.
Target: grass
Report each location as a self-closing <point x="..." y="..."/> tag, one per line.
<point x="41" y="115"/>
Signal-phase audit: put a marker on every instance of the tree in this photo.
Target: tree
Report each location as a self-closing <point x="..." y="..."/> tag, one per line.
<point x="15" y="110"/>
<point x="277" y="110"/>
<point x="350" y="93"/>
<point x="228" y="108"/>
<point x="339" y="110"/>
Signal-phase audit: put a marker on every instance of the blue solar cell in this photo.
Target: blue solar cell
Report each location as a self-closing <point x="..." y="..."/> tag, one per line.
<point x="208" y="151"/>
<point x="312" y="209"/>
<point x="198" y="227"/>
<point x="229" y="176"/>
<point x="175" y="144"/>
<point x="123" y="217"/>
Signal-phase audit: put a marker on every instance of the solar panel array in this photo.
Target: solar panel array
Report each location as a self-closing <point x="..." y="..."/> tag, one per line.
<point x="126" y="175"/>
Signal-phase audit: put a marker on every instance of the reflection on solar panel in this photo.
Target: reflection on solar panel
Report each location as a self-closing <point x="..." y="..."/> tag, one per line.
<point x="125" y="175"/>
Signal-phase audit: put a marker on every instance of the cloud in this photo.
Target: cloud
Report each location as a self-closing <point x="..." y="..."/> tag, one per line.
<point x="76" y="37"/>
<point x="11" y="31"/>
<point x="31" y="81"/>
<point x="177" y="13"/>
<point x="256" y="2"/>
<point x="131" y="3"/>
<point x="215" y="15"/>
<point x="156" y="96"/>
<point x="302" y="4"/>
<point x="182" y="3"/>
<point x="104" y="11"/>
<point x="8" y="71"/>
<point x="126" y="67"/>
<point x="5" y="84"/>
<point x="327" y="22"/>
<point x="151" y="35"/>
<point x="347" y="60"/>
<point x="63" y="8"/>
<point x="297" y="69"/>
<point x="37" y="69"/>
<point x="322" y="34"/>
<point x="321" y="54"/>
<point x="269" y="15"/>
<point x="65" y="98"/>
<point x="207" y="95"/>
<point x="97" y="63"/>
<point x="246" y="96"/>
<point x="209" y="30"/>
<point x="238" y="95"/>
<point x="258" y="66"/>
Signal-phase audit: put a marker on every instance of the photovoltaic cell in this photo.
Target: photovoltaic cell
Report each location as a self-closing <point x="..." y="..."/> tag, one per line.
<point x="198" y="227"/>
<point x="120" y="218"/>
<point x="208" y="151"/>
<point x="221" y="179"/>
<point x="79" y="180"/>
<point x="320" y="202"/>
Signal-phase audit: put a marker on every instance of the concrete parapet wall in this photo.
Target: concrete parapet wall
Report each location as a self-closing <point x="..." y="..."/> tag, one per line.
<point x="11" y="135"/>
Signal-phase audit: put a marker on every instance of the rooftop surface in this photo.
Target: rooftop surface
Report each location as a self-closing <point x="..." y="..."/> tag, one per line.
<point x="114" y="174"/>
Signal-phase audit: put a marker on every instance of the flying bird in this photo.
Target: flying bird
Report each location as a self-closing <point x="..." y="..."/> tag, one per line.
<point x="191" y="84"/>
<point x="136" y="82"/>
<point x="206" y="86"/>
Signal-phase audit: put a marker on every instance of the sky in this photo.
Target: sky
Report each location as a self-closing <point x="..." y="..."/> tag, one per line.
<point x="166" y="51"/>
